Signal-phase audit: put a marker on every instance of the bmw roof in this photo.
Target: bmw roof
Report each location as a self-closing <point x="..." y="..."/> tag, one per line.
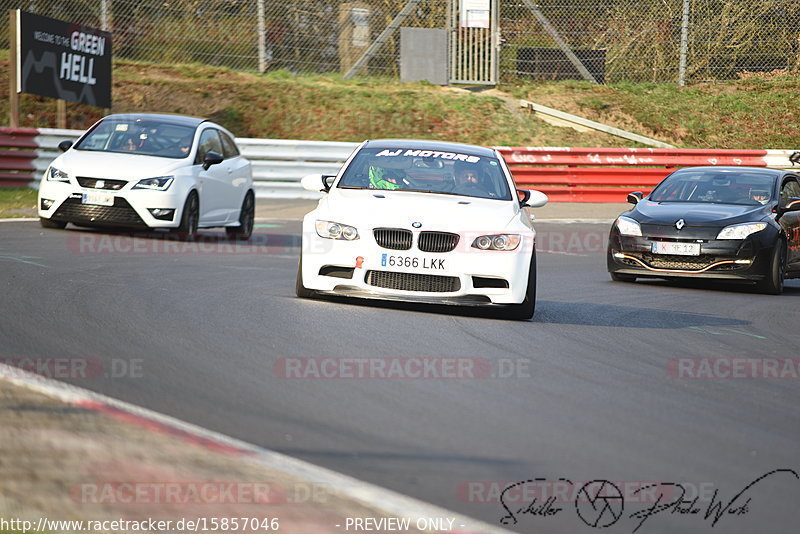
<point x="431" y="145"/>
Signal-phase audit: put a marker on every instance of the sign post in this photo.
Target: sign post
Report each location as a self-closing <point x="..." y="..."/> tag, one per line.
<point x="13" y="95"/>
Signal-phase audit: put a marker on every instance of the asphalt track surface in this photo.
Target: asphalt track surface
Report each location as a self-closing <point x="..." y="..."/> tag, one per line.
<point x="595" y="397"/>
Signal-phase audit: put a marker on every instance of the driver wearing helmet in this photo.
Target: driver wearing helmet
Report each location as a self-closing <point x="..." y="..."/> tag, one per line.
<point x="470" y="181"/>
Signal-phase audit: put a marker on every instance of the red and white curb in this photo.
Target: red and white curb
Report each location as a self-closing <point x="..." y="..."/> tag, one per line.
<point x="381" y="500"/>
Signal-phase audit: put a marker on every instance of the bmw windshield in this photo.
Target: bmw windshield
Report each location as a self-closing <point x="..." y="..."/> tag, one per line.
<point x="139" y="136"/>
<point x="716" y="187"/>
<point x="428" y="171"/>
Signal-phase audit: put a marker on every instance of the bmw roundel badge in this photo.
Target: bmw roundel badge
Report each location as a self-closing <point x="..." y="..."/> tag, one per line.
<point x="416" y="224"/>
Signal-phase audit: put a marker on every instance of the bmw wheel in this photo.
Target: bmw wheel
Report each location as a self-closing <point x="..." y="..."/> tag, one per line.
<point x="525" y="310"/>
<point x="299" y="289"/>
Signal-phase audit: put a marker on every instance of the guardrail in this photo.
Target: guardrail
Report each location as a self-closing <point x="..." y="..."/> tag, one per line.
<point x="564" y="174"/>
<point x="609" y="174"/>
<point x="17" y="155"/>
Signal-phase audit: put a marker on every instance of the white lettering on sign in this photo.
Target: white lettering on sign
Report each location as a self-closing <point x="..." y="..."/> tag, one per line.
<point x="88" y="43"/>
<point x="77" y="68"/>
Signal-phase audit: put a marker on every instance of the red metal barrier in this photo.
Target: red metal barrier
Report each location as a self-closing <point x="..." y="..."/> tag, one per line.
<point x="17" y="152"/>
<point x="609" y="174"/>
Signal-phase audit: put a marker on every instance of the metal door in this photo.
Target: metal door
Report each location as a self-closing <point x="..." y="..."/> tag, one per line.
<point x="474" y="38"/>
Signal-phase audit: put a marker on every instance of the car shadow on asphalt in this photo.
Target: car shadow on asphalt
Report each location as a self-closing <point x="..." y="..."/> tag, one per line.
<point x="791" y="287"/>
<point x="590" y="314"/>
<point x="568" y="313"/>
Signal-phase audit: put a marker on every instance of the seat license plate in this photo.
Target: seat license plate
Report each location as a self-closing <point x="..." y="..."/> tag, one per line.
<point x="97" y="198"/>
<point x="678" y="249"/>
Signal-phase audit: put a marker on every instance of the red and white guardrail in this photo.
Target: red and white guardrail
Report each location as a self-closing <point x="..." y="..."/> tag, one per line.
<point x="564" y="174"/>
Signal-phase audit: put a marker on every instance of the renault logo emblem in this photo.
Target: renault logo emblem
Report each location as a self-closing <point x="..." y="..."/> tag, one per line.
<point x="680" y="224"/>
<point x="416" y="224"/>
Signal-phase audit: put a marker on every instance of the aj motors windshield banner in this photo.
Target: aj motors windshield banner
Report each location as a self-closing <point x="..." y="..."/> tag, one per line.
<point x="63" y="60"/>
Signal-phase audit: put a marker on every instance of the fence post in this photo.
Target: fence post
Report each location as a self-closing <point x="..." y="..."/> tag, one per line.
<point x="262" y="40"/>
<point x="104" y="15"/>
<point x="684" y="44"/>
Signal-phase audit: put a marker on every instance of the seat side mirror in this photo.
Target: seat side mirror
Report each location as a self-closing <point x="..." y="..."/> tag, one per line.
<point x="211" y="158"/>
<point x="65" y="145"/>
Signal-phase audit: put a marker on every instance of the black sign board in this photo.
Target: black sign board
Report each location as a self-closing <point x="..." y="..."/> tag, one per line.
<point x="63" y="60"/>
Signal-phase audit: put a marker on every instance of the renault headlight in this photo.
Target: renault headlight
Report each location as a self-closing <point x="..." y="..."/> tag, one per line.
<point x="160" y="183"/>
<point x="334" y="230"/>
<point x="56" y="175"/>
<point x="740" y="231"/>
<point x="628" y="226"/>
<point x="497" y="242"/>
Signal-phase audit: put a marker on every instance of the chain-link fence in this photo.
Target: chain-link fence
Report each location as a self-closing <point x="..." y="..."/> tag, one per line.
<point x="615" y="40"/>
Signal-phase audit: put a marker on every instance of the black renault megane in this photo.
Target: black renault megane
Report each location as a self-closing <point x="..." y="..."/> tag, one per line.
<point x="729" y="223"/>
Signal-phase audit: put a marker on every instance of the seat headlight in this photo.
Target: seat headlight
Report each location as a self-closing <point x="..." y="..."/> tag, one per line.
<point x="160" y="183"/>
<point x="56" y="175"/>
<point x="740" y="231"/>
<point x="497" y="242"/>
<point x="628" y="226"/>
<point x="334" y="230"/>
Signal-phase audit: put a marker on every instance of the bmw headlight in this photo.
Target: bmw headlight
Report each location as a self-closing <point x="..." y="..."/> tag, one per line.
<point x="160" y="183"/>
<point x="55" y="175"/>
<point x="497" y="242"/>
<point x="740" y="231"/>
<point x="628" y="226"/>
<point x="334" y="230"/>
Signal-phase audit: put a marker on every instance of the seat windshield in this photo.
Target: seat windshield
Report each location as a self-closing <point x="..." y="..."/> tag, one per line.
<point x="427" y="171"/>
<point x="716" y="187"/>
<point x="139" y="136"/>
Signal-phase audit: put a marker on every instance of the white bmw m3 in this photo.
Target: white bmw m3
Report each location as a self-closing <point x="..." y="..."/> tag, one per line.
<point x="147" y="171"/>
<point x="422" y="221"/>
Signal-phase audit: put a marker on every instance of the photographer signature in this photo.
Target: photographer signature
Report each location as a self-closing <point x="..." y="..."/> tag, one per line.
<point x="600" y="503"/>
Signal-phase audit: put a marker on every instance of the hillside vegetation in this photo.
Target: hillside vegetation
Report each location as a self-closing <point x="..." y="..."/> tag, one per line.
<point x="757" y="111"/>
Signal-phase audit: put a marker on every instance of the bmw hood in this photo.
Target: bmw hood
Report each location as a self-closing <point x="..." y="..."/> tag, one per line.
<point x="113" y="165"/>
<point x="371" y="208"/>
<point x="696" y="213"/>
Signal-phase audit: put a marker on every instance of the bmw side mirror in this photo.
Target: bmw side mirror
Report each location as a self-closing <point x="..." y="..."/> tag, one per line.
<point x="327" y="181"/>
<point x="531" y="198"/>
<point x="63" y="146"/>
<point x="314" y="183"/>
<point x="635" y="197"/>
<point x="211" y="158"/>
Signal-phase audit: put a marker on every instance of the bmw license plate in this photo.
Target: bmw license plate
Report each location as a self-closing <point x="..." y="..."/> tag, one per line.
<point x="412" y="262"/>
<point x="679" y="249"/>
<point x="98" y="198"/>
